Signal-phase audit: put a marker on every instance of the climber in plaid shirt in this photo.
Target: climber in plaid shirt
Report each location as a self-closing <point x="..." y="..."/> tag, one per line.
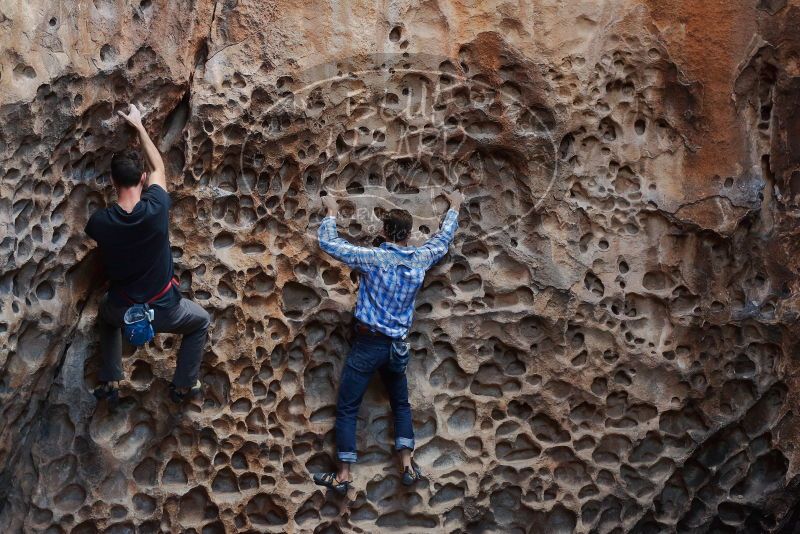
<point x="391" y="275"/>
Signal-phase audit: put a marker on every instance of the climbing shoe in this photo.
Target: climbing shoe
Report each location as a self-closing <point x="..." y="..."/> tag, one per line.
<point x="330" y="481"/>
<point x="179" y="396"/>
<point x="411" y="475"/>
<point x="108" y="392"/>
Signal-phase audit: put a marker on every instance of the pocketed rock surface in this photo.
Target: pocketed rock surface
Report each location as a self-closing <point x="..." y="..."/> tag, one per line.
<point x="609" y="346"/>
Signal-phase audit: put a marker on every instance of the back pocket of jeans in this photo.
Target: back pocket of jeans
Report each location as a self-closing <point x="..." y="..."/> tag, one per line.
<point x="359" y="359"/>
<point x="399" y="354"/>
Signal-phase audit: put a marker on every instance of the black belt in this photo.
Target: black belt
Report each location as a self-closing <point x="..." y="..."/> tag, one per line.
<point x="367" y="330"/>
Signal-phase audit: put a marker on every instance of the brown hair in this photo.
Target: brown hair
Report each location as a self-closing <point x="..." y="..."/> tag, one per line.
<point x="397" y="225"/>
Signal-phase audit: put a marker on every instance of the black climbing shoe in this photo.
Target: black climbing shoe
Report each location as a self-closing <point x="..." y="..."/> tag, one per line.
<point x="105" y="391"/>
<point x="330" y="481"/>
<point x="178" y="396"/>
<point x="411" y="475"/>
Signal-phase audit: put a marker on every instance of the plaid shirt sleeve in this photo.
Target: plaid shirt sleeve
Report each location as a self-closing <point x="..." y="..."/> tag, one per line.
<point x="436" y="247"/>
<point x="344" y="251"/>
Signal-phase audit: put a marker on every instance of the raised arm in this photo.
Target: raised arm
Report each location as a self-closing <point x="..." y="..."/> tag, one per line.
<point x="436" y="247"/>
<point x="157" y="174"/>
<point x="354" y="256"/>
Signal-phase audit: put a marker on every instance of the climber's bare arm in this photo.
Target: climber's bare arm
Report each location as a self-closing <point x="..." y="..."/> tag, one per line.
<point x="157" y="174"/>
<point x="331" y="206"/>
<point x="455" y="198"/>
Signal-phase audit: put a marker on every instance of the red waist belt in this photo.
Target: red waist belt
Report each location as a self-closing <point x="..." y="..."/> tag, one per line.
<point x="172" y="282"/>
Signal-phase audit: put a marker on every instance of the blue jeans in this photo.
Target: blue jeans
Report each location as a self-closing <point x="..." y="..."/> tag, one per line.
<point x="367" y="355"/>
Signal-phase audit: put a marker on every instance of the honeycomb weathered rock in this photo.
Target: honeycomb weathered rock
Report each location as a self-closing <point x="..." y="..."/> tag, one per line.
<point x="609" y="345"/>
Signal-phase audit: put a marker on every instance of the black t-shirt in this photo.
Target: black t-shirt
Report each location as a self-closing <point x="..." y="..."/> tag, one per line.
<point x="135" y="249"/>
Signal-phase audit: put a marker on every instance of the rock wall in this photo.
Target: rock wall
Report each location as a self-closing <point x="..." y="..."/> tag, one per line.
<point x="609" y="346"/>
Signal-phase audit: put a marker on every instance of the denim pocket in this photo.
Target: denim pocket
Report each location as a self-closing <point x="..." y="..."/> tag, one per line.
<point x="360" y="359"/>
<point x="399" y="354"/>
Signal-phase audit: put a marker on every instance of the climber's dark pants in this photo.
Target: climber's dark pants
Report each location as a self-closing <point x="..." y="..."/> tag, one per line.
<point x="370" y="354"/>
<point x="186" y="318"/>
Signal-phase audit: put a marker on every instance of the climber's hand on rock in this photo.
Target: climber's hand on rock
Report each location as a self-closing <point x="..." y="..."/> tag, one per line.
<point x="455" y="198"/>
<point x="331" y="205"/>
<point x="134" y="116"/>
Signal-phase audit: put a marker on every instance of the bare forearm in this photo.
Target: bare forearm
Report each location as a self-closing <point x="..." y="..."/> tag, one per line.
<point x="454" y="200"/>
<point x="331" y="206"/>
<point x="157" y="173"/>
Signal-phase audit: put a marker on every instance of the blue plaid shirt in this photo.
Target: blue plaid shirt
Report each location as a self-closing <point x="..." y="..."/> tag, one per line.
<point x="391" y="274"/>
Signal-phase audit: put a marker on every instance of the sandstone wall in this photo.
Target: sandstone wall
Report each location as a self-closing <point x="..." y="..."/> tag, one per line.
<point x="609" y="346"/>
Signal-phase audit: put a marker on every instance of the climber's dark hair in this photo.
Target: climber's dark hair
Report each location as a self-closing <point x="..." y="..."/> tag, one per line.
<point x="397" y="225"/>
<point x="126" y="168"/>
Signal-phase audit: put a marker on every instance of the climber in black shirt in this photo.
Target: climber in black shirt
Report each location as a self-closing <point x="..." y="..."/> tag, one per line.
<point x="133" y="239"/>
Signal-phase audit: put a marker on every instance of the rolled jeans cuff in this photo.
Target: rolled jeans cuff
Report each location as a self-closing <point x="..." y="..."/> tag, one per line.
<point x="404" y="443"/>
<point x="347" y="457"/>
